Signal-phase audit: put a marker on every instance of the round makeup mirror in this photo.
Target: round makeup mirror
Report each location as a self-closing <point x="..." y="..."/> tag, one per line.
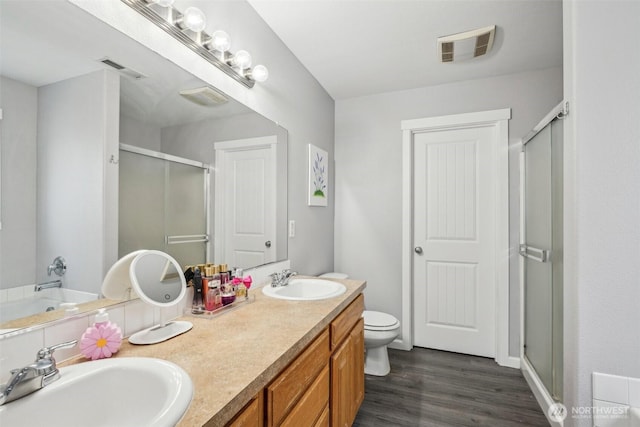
<point x="158" y="280"/>
<point x="116" y="284"/>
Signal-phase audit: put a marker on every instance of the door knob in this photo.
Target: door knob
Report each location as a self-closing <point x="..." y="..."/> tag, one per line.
<point x="268" y="243"/>
<point x="418" y="250"/>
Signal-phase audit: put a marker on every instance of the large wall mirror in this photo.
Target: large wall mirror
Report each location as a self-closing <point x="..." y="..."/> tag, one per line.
<point x="107" y="147"/>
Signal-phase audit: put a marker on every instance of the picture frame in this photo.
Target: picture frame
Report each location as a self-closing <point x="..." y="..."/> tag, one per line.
<point x="318" y="176"/>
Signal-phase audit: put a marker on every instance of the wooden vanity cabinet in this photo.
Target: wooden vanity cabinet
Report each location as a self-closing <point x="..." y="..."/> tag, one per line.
<point x="322" y="387"/>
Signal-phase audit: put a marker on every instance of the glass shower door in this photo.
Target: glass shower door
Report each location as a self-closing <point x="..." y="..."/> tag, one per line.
<point x="542" y="253"/>
<point x="186" y="213"/>
<point x="141" y="203"/>
<point x="163" y="206"/>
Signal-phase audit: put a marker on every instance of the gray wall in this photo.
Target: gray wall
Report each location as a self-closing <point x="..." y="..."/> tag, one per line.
<point x="195" y="140"/>
<point x="291" y="97"/>
<point x="134" y="132"/>
<point x="77" y="186"/>
<point x="368" y="228"/>
<point x="19" y="103"/>
<point x="602" y="195"/>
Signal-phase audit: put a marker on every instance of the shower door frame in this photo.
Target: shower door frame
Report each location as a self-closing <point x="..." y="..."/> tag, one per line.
<point x="542" y="395"/>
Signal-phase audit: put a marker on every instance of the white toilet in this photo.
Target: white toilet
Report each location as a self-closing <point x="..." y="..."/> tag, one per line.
<point x="380" y="329"/>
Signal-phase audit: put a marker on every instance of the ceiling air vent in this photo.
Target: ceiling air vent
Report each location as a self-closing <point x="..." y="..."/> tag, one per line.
<point x="467" y="45"/>
<point x="206" y="96"/>
<point x="122" y="69"/>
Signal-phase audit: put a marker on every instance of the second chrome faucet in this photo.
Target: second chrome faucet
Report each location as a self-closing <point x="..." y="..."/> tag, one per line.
<point x="282" y="279"/>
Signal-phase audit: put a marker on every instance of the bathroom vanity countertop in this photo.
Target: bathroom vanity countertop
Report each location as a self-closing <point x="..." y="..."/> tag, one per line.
<point x="230" y="358"/>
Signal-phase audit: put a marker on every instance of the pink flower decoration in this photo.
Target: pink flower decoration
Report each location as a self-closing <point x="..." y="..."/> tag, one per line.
<point x="100" y="341"/>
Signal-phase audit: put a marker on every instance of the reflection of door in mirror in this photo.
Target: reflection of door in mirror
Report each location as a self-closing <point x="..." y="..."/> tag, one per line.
<point x="246" y="201"/>
<point x="163" y="204"/>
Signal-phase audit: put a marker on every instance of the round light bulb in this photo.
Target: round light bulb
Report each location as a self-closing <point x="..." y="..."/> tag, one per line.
<point x="164" y="3"/>
<point x="220" y="41"/>
<point x="194" y="19"/>
<point x="259" y="73"/>
<point x="242" y="59"/>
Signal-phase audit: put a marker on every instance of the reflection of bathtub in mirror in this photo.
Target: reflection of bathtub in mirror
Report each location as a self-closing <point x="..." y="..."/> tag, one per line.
<point x="22" y="301"/>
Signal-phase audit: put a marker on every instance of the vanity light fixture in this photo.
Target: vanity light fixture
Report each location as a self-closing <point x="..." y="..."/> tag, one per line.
<point x="188" y="28"/>
<point x="242" y="59"/>
<point x="193" y="19"/>
<point x="258" y="73"/>
<point x="164" y="3"/>
<point x="220" y="42"/>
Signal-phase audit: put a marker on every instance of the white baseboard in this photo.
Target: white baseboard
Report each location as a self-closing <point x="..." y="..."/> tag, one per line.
<point x="539" y="391"/>
<point x="399" y="344"/>
<point x="512" y="362"/>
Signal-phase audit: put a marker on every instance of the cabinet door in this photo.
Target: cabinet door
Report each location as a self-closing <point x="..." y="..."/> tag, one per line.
<point x="357" y="343"/>
<point x="347" y="378"/>
<point x="341" y="384"/>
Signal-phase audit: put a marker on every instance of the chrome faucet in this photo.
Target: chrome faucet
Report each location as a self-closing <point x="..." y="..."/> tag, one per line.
<point x="282" y="279"/>
<point x="48" y="285"/>
<point x="33" y="377"/>
<point x="58" y="266"/>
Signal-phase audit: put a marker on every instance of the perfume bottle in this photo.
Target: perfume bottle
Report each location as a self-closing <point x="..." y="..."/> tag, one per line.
<point x="196" y="306"/>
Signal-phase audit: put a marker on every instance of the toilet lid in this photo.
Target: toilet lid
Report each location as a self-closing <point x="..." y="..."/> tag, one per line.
<point x="378" y="320"/>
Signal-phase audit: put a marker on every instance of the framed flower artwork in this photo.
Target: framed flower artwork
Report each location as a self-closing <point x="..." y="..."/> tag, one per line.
<point x="318" y="176"/>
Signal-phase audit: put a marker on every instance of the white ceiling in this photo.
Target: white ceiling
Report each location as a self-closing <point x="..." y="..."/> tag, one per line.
<point x="362" y="47"/>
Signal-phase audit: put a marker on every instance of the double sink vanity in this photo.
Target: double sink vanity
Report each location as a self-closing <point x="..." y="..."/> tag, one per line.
<point x="291" y="362"/>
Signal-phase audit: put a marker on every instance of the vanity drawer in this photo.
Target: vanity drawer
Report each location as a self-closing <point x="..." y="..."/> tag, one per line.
<point x="343" y="324"/>
<point x="252" y="415"/>
<point x="312" y="404"/>
<point x="285" y="391"/>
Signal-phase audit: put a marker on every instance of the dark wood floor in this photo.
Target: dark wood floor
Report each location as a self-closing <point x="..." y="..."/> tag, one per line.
<point x="436" y="388"/>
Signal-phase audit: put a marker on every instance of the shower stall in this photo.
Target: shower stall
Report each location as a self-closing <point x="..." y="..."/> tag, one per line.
<point x="163" y="205"/>
<point x="541" y="251"/>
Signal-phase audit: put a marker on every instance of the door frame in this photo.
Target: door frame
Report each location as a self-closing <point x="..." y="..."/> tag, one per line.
<point x="221" y="148"/>
<point x="493" y="118"/>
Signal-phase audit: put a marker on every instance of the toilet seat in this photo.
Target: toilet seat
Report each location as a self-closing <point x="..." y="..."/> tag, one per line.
<point x="377" y="321"/>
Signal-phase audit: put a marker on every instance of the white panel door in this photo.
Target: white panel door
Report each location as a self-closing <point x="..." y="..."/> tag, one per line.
<point x="454" y="232"/>
<point x="249" y="211"/>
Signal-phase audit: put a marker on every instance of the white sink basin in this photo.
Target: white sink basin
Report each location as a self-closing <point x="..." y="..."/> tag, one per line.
<point x="134" y="391"/>
<point x="306" y="290"/>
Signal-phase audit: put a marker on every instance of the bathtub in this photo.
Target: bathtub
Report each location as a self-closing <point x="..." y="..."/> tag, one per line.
<point x="31" y="303"/>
